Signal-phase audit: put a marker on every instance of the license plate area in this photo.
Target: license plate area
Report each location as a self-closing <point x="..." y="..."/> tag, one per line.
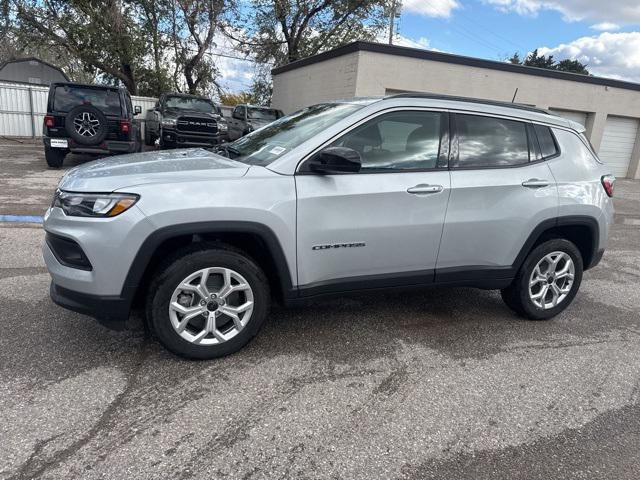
<point x="59" y="143"/>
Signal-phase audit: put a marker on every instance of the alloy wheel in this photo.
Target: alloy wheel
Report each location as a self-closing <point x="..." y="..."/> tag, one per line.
<point x="551" y="280"/>
<point x="86" y="124"/>
<point x="211" y="306"/>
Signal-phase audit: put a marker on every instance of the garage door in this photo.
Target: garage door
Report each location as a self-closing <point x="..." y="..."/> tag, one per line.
<point x="580" y="117"/>
<point x="617" y="144"/>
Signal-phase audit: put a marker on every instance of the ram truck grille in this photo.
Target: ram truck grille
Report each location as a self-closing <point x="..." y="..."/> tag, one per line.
<point x="197" y="125"/>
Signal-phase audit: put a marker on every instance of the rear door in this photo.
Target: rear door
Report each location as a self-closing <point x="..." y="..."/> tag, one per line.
<point x="381" y="226"/>
<point x="501" y="189"/>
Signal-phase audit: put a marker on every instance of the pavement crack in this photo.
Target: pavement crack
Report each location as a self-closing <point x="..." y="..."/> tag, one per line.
<point x="34" y="467"/>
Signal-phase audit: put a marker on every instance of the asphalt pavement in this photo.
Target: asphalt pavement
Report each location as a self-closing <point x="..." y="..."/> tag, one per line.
<point x="442" y="384"/>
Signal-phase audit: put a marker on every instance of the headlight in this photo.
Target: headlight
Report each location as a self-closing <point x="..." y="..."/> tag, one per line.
<point x="93" y="204"/>
<point x="222" y="126"/>
<point x="169" y="122"/>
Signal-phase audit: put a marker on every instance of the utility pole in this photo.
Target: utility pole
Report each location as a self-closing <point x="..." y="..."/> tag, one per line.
<point x="392" y="19"/>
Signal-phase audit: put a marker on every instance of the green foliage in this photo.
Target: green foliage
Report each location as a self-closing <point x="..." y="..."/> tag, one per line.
<point x="534" y="59"/>
<point x="282" y="31"/>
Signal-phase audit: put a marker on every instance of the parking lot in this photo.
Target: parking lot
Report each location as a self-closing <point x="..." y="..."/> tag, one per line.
<point x="445" y="384"/>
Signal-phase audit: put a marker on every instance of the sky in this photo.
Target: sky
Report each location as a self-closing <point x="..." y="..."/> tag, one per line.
<point x="603" y="34"/>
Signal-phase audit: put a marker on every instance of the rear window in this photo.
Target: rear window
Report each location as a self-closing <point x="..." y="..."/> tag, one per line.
<point x="548" y="147"/>
<point x="67" y="97"/>
<point x="262" y="113"/>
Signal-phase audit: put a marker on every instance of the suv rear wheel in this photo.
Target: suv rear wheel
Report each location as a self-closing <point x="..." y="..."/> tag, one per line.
<point x="54" y="156"/>
<point x="547" y="281"/>
<point x="208" y="301"/>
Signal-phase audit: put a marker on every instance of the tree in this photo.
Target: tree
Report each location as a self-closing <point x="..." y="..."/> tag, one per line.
<point x="194" y="26"/>
<point x="233" y="99"/>
<point x="534" y="59"/>
<point x="573" y="66"/>
<point x="282" y="31"/>
<point x="101" y="34"/>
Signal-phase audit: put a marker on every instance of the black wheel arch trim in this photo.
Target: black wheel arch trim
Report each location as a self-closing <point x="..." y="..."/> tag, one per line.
<point x="156" y="238"/>
<point x="563" y="221"/>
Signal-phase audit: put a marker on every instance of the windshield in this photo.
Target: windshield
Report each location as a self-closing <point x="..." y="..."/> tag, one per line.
<point x="67" y="97"/>
<point x="262" y="113"/>
<point x="188" y="103"/>
<point x="271" y="142"/>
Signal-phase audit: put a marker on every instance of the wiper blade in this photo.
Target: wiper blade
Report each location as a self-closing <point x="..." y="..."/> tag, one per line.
<point x="227" y="149"/>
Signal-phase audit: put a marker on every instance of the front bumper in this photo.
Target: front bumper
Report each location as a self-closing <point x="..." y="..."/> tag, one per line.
<point x="189" y="139"/>
<point x="110" y="246"/>
<point x="111" y="312"/>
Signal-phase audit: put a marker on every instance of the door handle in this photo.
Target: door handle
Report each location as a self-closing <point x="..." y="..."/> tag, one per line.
<point x="424" y="189"/>
<point x="535" y="183"/>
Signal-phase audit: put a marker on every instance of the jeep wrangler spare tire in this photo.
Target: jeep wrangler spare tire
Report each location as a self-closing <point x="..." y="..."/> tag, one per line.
<point x="86" y="125"/>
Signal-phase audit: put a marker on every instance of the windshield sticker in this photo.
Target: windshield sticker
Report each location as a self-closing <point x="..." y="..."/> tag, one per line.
<point x="277" y="150"/>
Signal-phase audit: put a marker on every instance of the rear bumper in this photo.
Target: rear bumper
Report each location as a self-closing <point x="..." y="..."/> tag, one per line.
<point x="106" y="147"/>
<point x="111" y="312"/>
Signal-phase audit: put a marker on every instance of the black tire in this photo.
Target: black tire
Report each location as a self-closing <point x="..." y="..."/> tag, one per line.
<point x="54" y="156"/>
<point x="101" y="129"/>
<point x="180" y="266"/>
<point x="516" y="296"/>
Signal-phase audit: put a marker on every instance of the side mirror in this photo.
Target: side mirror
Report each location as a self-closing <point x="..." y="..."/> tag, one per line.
<point x="335" y="160"/>
<point x="137" y="110"/>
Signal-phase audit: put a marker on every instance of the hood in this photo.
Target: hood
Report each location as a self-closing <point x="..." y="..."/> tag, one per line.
<point x="168" y="166"/>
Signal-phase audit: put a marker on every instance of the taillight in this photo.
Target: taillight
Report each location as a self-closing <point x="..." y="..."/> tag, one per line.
<point x="125" y="126"/>
<point x="49" y="121"/>
<point x="609" y="183"/>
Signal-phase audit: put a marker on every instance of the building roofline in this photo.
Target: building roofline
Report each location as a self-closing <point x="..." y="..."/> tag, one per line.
<point x="361" y="46"/>
<point x="28" y="59"/>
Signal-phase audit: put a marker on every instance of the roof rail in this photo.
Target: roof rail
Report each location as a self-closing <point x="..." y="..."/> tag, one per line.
<point x="495" y="103"/>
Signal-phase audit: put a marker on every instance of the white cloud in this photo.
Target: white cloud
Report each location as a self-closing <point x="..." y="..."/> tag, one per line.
<point x="605" y="27"/>
<point x="431" y="8"/>
<point x="620" y="11"/>
<point x="615" y="55"/>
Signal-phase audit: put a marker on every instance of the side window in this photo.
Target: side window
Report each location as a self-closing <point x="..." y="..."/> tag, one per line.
<point x="490" y="142"/>
<point x="129" y="105"/>
<point x="396" y="141"/>
<point x="547" y="143"/>
<point x="237" y="112"/>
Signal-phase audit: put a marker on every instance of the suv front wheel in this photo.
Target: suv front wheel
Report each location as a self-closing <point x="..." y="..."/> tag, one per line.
<point x="547" y="281"/>
<point x="208" y="301"/>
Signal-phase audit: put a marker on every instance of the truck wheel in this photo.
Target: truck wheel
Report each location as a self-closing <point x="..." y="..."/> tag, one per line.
<point x="547" y="282"/>
<point x="54" y="157"/>
<point x="207" y="301"/>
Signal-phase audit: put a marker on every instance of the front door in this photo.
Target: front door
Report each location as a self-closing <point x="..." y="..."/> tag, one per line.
<point x="381" y="226"/>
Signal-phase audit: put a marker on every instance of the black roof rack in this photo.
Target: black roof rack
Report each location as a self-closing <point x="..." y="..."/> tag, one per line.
<point x="494" y="103"/>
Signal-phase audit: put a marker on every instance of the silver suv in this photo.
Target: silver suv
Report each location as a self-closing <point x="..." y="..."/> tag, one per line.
<point x="404" y="191"/>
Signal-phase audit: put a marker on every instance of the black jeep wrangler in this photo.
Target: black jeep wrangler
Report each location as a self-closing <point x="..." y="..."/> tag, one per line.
<point x="93" y="119"/>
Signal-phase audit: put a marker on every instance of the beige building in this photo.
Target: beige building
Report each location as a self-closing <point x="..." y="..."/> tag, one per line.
<point x="609" y="109"/>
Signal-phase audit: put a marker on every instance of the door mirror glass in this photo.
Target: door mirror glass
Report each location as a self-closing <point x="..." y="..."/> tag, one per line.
<point x="137" y="110"/>
<point x="335" y="160"/>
